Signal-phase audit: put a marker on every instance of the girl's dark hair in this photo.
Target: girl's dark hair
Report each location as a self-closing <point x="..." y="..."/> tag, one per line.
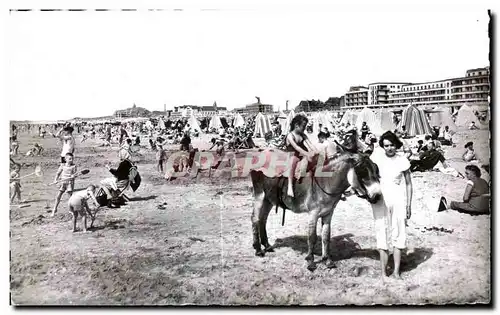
<point x="322" y="135"/>
<point x="468" y="144"/>
<point x="474" y="169"/>
<point x="389" y="135"/>
<point x="298" y="119"/>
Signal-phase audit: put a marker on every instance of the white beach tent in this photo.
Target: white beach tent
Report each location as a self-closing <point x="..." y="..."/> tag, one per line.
<point x="262" y="125"/>
<point x="465" y="117"/>
<point x="215" y="123"/>
<point x="386" y="119"/>
<point x="441" y="117"/>
<point x="193" y="123"/>
<point x="238" y="121"/>
<point x="368" y="116"/>
<point x="349" y="117"/>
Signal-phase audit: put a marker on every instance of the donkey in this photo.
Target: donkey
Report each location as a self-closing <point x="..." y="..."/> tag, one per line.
<point x="316" y="195"/>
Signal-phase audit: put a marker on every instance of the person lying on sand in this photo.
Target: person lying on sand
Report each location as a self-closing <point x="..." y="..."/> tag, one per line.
<point x="476" y="199"/>
<point x="428" y="159"/>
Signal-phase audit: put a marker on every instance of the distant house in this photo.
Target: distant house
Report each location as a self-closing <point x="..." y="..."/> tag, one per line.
<point x="204" y="111"/>
<point x="133" y="111"/>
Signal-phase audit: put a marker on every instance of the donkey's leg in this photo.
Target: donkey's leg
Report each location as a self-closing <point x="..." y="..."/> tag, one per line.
<point x="312" y="237"/>
<point x="256" y="215"/>
<point x="264" y="213"/>
<point x="325" y="240"/>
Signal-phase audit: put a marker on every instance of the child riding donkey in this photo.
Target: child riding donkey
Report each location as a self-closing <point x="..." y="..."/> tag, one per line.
<point x="298" y="143"/>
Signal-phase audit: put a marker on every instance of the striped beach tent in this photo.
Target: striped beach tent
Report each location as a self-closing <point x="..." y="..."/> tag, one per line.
<point x="262" y="125"/>
<point x="415" y="121"/>
<point x="286" y="127"/>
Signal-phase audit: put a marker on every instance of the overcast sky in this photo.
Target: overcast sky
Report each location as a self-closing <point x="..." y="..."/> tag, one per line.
<point x="85" y="64"/>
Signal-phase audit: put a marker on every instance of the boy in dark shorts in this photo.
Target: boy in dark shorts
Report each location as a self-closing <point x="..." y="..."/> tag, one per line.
<point x="66" y="173"/>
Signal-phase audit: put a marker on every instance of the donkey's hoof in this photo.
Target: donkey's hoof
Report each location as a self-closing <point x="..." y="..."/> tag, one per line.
<point x="309" y="258"/>
<point x="311" y="266"/>
<point x="260" y="253"/>
<point x="330" y="264"/>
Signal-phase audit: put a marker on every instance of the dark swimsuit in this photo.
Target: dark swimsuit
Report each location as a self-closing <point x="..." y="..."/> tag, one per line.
<point x="290" y="148"/>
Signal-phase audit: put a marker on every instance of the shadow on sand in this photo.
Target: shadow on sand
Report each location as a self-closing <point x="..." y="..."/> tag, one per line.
<point x="143" y="198"/>
<point x="343" y="247"/>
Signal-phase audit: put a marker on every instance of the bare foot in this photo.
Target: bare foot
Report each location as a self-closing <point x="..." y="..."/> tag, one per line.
<point x="53" y="213"/>
<point x="396" y="276"/>
<point x="384" y="279"/>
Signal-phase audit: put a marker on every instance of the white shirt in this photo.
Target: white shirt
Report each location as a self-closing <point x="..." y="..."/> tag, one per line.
<point x="68" y="146"/>
<point x="391" y="168"/>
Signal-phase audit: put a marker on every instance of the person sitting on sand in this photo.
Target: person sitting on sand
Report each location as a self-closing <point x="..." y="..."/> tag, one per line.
<point x="473" y="126"/>
<point x="120" y="179"/>
<point x="428" y="159"/>
<point x="446" y="136"/>
<point x="420" y="145"/>
<point x="469" y="153"/>
<point x="476" y="199"/>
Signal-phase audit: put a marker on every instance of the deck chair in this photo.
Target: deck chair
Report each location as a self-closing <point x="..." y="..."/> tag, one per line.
<point x="131" y="177"/>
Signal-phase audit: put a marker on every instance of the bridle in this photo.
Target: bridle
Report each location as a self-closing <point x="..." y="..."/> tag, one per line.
<point x="356" y="165"/>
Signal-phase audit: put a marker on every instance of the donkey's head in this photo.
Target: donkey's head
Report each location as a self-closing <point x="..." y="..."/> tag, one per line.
<point x="364" y="178"/>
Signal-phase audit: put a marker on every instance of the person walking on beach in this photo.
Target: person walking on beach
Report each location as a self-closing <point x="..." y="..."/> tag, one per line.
<point x="394" y="209"/>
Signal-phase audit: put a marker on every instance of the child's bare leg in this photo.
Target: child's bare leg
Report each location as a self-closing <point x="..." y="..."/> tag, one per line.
<point x="18" y="194"/>
<point x="384" y="257"/>
<point x="291" y="176"/>
<point x="13" y="196"/>
<point x="75" y="216"/>
<point x="58" y="200"/>
<point x="84" y="222"/>
<point x="397" y="262"/>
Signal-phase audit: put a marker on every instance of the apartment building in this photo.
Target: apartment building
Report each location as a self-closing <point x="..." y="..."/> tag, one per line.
<point x="378" y="93"/>
<point x="356" y="97"/>
<point x="472" y="89"/>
